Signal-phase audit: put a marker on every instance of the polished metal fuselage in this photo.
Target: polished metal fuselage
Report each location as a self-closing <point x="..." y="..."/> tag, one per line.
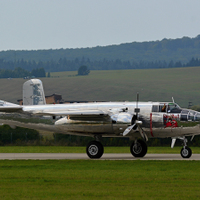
<point x="107" y="119"/>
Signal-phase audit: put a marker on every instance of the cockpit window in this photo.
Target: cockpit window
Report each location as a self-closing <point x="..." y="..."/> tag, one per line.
<point x="166" y="107"/>
<point x="173" y="108"/>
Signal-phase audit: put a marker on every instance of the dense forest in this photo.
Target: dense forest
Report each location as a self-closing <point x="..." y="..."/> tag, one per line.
<point x="31" y="68"/>
<point x="167" y="53"/>
<point x="182" y="49"/>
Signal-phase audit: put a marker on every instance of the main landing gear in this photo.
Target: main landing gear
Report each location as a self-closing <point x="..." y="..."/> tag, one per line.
<point x="95" y="149"/>
<point x="138" y="148"/>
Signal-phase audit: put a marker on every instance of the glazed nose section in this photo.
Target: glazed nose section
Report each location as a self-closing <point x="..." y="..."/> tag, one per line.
<point x="190" y="115"/>
<point x="197" y="116"/>
<point x="184" y="115"/>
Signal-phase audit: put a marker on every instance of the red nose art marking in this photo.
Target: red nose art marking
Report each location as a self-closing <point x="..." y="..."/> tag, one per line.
<point x="151" y="125"/>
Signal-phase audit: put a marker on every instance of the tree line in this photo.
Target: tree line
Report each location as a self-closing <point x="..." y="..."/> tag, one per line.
<point x="23" y="136"/>
<point x="32" y="68"/>
<point x="22" y="73"/>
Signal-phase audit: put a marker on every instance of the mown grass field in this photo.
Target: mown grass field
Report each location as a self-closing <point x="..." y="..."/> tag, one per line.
<point x="74" y="149"/>
<point x="117" y="85"/>
<point x="95" y="179"/>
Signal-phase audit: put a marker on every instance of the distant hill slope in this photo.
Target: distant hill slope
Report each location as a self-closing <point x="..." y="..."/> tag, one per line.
<point x="182" y="49"/>
<point x="117" y="85"/>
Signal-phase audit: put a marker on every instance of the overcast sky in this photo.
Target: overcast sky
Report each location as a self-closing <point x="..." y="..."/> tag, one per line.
<point x="55" y="24"/>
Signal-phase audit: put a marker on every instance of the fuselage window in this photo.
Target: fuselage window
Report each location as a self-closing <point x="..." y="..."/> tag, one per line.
<point x="155" y="108"/>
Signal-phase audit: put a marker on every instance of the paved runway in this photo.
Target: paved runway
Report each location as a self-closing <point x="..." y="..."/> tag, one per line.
<point x="83" y="156"/>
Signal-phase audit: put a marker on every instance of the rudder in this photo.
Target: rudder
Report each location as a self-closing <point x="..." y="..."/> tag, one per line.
<point x="33" y="93"/>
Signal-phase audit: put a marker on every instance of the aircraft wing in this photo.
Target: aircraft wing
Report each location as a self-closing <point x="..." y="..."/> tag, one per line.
<point x="72" y="112"/>
<point x="77" y="114"/>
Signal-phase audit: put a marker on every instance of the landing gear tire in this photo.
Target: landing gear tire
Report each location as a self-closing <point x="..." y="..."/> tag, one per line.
<point x="138" y="148"/>
<point x="94" y="149"/>
<point x="186" y="152"/>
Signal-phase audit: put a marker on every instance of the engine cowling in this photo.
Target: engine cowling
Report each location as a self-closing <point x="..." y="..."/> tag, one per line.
<point x="122" y="118"/>
<point x="63" y="121"/>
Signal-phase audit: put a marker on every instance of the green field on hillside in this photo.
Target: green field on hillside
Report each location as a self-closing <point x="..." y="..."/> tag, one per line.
<point x="117" y="85"/>
<point x="95" y="179"/>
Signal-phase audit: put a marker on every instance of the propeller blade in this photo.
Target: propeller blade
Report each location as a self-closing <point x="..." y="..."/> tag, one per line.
<point x="128" y="130"/>
<point x="136" y="122"/>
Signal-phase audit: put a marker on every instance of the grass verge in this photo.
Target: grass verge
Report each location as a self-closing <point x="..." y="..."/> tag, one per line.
<point x="74" y="149"/>
<point x="92" y="179"/>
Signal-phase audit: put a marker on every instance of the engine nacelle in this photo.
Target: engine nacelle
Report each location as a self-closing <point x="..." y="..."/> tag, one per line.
<point x="122" y="118"/>
<point x="67" y="121"/>
<point x="63" y="121"/>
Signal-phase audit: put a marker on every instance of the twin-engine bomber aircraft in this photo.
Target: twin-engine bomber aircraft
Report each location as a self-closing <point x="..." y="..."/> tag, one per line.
<point x="135" y="120"/>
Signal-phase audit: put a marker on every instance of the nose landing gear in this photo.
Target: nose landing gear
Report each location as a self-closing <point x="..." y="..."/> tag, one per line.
<point x="186" y="152"/>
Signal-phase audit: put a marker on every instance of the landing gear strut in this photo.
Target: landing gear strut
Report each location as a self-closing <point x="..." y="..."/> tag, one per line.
<point x="138" y="148"/>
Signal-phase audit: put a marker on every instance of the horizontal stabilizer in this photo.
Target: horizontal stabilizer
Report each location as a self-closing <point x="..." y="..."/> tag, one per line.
<point x="9" y="107"/>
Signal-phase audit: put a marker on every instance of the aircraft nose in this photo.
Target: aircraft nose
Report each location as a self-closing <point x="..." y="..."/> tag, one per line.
<point x="190" y="115"/>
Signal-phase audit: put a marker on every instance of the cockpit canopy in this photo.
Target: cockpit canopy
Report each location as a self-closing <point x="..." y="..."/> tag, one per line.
<point x="166" y="107"/>
<point x="185" y="114"/>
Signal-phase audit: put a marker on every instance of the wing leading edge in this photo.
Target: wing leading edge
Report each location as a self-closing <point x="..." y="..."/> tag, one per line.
<point x="77" y="114"/>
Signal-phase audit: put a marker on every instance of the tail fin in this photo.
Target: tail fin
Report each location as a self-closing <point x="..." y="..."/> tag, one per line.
<point x="33" y="93"/>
